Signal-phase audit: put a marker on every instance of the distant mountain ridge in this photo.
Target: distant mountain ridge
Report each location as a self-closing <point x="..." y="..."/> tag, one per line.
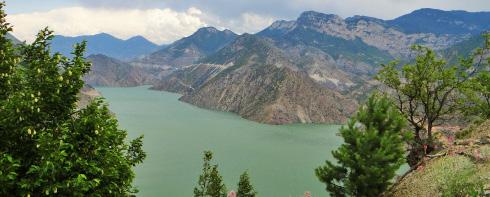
<point x="358" y="34"/>
<point x="437" y="21"/>
<point x="13" y="38"/>
<point x="315" y="69"/>
<point x="107" y="71"/>
<point x="323" y="56"/>
<point x="205" y="41"/>
<point x="106" y="44"/>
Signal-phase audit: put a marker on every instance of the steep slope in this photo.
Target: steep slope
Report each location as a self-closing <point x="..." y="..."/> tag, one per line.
<point x="107" y="71"/>
<point x="261" y="84"/>
<point x="345" y="53"/>
<point x="105" y="44"/>
<point x="463" y="49"/>
<point x="462" y="163"/>
<point x="86" y="95"/>
<point x="189" y="50"/>
<point x="189" y="78"/>
<point x="359" y="37"/>
<point x="442" y="22"/>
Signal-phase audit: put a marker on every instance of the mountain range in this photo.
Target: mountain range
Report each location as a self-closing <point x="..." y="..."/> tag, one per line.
<point x="107" y="45"/>
<point x="315" y="69"/>
<point x="189" y="50"/>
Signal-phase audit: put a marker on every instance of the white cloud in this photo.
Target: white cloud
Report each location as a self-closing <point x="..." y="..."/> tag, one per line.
<point x="158" y="25"/>
<point x="253" y="22"/>
<point x="247" y="22"/>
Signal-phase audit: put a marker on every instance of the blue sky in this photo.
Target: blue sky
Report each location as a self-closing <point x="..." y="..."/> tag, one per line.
<point x="164" y="21"/>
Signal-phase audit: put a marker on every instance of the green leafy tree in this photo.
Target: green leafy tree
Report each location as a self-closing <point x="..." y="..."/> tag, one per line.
<point x="210" y="183"/>
<point x="373" y="150"/>
<point x="48" y="146"/>
<point x="245" y="188"/>
<point x="427" y="92"/>
<point x="478" y="90"/>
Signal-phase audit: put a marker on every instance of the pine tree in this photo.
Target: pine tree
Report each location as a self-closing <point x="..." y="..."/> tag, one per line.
<point x="373" y="150"/>
<point x="245" y="189"/>
<point x="47" y="145"/>
<point x="210" y="183"/>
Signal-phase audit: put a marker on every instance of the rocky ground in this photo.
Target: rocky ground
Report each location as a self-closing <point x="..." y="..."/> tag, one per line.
<point x="462" y="162"/>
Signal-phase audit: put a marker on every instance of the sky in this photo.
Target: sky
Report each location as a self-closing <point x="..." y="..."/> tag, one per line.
<point x="164" y="21"/>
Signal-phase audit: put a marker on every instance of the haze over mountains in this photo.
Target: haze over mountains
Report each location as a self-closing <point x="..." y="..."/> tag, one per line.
<point x="312" y="69"/>
<point x="106" y="44"/>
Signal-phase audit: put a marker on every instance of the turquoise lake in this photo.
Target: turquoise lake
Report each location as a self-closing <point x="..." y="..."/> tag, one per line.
<point x="280" y="159"/>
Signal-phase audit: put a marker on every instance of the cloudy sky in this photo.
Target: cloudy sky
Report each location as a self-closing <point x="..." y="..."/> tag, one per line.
<point x="164" y="21"/>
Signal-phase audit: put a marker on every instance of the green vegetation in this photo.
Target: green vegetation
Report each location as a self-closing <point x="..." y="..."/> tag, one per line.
<point x="453" y="175"/>
<point x="245" y="189"/>
<point x="355" y="49"/>
<point x="372" y="152"/>
<point x="210" y="183"/>
<point x="478" y="90"/>
<point x="48" y="146"/>
<point x="463" y="183"/>
<point x="427" y="91"/>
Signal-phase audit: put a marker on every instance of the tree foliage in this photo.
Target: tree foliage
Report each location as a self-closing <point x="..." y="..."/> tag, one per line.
<point x="478" y="90"/>
<point x="373" y="150"/>
<point x="245" y="188"/>
<point x="426" y="92"/>
<point x="210" y="183"/>
<point x="47" y="145"/>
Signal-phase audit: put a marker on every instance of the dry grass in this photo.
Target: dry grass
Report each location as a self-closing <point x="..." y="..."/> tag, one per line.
<point x="433" y="176"/>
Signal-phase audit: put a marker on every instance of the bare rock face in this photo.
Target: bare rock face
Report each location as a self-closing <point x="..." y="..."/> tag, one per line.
<point x="268" y="93"/>
<point x="187" y="79"/>
<point x="374" y="32"/>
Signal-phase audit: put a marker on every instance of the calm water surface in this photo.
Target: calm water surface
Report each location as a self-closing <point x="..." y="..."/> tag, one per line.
<point x="280" y="159"/>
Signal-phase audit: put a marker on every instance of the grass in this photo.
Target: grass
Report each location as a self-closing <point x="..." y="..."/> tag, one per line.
<point x="452" y="175"/>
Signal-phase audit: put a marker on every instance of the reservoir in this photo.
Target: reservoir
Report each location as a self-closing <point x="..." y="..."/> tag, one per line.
<point x="279" y="159"/>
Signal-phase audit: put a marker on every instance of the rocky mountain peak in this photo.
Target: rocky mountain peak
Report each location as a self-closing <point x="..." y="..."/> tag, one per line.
<point x="138" y="39"/>
<point x="189" y="50"/>
<point x="206" y="30"/>
<point x="315" y="18"/>
<point x="283" y="25"/>
<point x="354" y="20"/>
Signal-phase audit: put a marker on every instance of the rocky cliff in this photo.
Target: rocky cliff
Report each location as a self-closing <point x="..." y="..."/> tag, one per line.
<point x="261" y="84"/>
<point x="189" y="78"/>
